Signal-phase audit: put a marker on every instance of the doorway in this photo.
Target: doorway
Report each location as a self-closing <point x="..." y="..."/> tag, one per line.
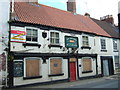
<point x="72" y="69"/>
<point x="107" y="66"/>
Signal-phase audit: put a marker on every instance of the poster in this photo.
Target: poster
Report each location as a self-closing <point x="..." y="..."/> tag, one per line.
<point x="18" y="68"/>
<point x="18" y="36"/>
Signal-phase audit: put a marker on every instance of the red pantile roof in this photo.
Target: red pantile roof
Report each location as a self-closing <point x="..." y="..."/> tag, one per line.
<point x="49" y="16"/>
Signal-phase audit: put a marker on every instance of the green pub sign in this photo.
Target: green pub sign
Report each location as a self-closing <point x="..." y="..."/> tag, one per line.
<point x="71" y="42"/>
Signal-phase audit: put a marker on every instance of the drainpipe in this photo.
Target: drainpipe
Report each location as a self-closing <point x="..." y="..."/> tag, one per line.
<point x="119" y="30"/>
<point x="119" y="16"/>
<point x="96" y="67"/>
<point x="68" y="64"/>
<point x="10" y="55"/>
<point x="77" y="67"/>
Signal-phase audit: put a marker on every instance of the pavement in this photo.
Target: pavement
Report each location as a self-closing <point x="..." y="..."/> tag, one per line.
<point x="71" y="84"/>
<point x="78" y="82"/>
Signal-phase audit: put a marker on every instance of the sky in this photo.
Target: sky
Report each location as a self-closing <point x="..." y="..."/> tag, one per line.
<point x="96" y="8"/>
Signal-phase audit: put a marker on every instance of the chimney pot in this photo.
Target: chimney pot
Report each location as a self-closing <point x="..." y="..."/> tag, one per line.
<point x="108" y="18"/>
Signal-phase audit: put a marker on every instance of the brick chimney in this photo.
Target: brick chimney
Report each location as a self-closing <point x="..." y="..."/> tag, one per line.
<point x="108" y="18"/>
<point x="71" y="6"/>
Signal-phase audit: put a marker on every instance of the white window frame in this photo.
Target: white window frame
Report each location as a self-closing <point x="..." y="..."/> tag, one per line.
<point x="116" y="63"/>
<point x="37" y="34"/>
<point x="91" y="62"/>
<point x="101" y="43"/>
<point x="85" y="41"/>
<point x="49" y="64"/>
<point x="40" y="63"/>
<point x="53" y="31"/>
<point x="115" y="45"/>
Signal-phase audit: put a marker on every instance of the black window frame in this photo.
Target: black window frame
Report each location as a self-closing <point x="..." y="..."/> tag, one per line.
<point x="32" y="36"/>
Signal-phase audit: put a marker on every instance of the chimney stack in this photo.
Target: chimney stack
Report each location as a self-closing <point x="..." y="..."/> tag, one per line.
<point x="71" y="6"/>
<point x="108" y="18"/>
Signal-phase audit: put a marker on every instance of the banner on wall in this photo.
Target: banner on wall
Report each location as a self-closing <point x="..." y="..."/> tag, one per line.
<point x="18" y="36"/>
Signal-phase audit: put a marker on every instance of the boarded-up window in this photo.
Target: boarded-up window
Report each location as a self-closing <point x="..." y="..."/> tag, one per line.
<point x="87" y="64"/>
<point x="55" y="66"/>
<point x="32" y="68"/>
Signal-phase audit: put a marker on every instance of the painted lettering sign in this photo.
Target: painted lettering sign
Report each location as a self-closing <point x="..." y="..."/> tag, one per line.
<point x="71" y="42"/>
<point x="18" y="68"/>
<point x="18" y="36"/>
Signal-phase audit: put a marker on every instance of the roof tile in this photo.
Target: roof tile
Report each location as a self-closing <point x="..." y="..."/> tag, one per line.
<point x="45" y="15"/>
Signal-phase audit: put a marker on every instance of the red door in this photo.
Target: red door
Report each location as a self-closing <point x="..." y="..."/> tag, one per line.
<point x="72" y="71"/>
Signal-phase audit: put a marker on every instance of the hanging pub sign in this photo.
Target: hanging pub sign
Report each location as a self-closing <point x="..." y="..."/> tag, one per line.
<point x="71" y="42"/>
<point x="18" y="36"/>
<point x="18" y="68"/>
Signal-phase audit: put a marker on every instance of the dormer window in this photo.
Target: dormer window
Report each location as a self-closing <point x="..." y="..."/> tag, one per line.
<point x="32" y="35"/>
<point x="85" y="41"/>
<point x="54" y="38"/>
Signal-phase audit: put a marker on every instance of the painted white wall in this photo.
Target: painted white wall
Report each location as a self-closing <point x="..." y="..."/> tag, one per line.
<point x="44" y="73"/>
<point x="4" y="27"/>
<point x="109" y="48"/>
<point x="94" y="42"/>
<point x="93" y="60"/>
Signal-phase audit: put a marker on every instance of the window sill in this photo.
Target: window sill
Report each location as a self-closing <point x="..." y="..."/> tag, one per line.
<point x="87" y="71"/>
<point x="31" y="44"/>
<point x="25" y="78"/>
<point x="103" y="50"/>
<point x="85" y="47"/>
<point x="115" y="51"/>
<point x="51" y="75"/>
<point x="51" y="45"/>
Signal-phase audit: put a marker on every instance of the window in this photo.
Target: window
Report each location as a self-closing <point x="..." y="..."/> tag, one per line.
<point x="85" y="41"/>
<point x="103" y="44"/>
<point x="87" y="65"/>
<point x="115" y="44"/>
<point x="32" y="35"/>
<point x="32" y="67"/>
<point x="55" y="66"/>
<point x="117" y="62"/>
<point x="54" y="38"/>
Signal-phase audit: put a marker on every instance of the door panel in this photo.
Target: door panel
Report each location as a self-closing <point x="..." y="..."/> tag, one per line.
<point x="105" y="68"/>
<point x="72" y="71"/>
